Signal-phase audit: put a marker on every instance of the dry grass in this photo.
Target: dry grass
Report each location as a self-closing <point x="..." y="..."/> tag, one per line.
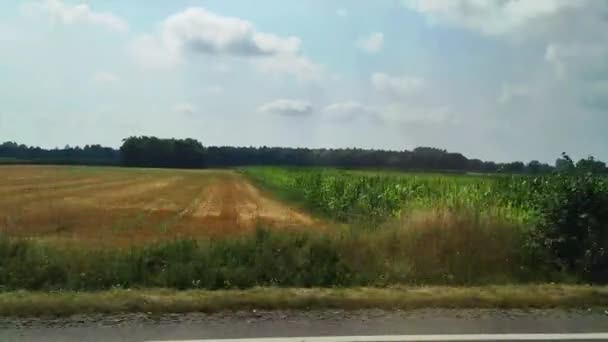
<point x="120" y="207"/>
<point x="443" y="245"/>
<point x="169" y="301"/>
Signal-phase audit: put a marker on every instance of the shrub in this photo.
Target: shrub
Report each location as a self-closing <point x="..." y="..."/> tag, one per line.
<point x="574" y="224"/>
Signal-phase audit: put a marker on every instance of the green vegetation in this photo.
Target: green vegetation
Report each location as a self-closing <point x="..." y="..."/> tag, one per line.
<point x="441" y="249"/>
<point x="400" y="230"/>
<point x="10" y="160"/>
<point x="158" y="301"/>
<point x="407" y="230"/>
<point x="148" y="151"/>
<point x="355" y="196"/>
<point x="559" y="219"/>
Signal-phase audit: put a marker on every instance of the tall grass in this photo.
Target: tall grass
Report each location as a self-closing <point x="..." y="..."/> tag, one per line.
<point x="441" y="247"/>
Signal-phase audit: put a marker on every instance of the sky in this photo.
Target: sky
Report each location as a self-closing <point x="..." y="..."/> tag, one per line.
<point x="493" y="79"/>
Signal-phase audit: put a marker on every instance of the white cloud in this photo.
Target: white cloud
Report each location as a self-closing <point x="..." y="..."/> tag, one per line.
<point x="287" y="107"/>
<point x="347" y="111"/>
<point x="76" y="14"/>
<point x="398" y="86"/>
<point x="408" y="100"/>
<point x="398" y="113"/>
<point x="371" y="43"/>
<point x="571" y="31"/>
<point x="581" y="69"/>
<point x="342" y="12"/>
<point x="295" y="65"/>
<point x="490" y="17"/>
<point x="198" y="32"/>
<point x="184" y="108"/>
<point x="201" y="31"/>
<point x="105" y="77"/>
<point x="150" y="52"/>
<point x="584" y="60"/>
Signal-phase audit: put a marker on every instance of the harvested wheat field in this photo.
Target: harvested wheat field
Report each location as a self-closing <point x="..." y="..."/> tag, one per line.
<point x="124" y="206"/>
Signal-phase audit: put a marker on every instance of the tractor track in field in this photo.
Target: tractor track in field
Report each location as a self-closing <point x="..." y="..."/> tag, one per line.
<point x="233" y="202"/>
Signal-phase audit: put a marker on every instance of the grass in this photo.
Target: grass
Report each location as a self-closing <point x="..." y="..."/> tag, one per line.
<point x="158" y="301"/>
<point x="428" y="248"/>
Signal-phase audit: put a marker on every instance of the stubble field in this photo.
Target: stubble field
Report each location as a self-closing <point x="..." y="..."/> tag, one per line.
<point x="120" y="207"/>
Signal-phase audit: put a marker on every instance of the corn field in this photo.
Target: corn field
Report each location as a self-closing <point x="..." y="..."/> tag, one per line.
<point x="348" y="196"/>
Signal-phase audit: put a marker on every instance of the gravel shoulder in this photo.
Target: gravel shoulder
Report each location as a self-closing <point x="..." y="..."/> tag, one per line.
<point x="285" y="323"/>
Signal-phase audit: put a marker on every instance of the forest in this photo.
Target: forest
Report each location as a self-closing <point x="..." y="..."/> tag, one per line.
<point x="147" y="151"/>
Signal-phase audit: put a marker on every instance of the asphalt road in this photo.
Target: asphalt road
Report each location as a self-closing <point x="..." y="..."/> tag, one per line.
<point x="261" y="324"/>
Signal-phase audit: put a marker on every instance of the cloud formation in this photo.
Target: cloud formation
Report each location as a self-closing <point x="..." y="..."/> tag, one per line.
<point x="200" y="31"/>
<point x="197" y="32"/>
<point x="572" y="32"/>
<point x="371" y="43"/>
<point x="397" y="85"/>
<point x="298" y="66"/>
<point x="184" y="108"/>
<point x="491" y="17"/>
<point x="347" y="111"/>
<point x="150" y="52"/>
<point x="504" y="71"/>
<point x="407" y="114"/>
<point x="287" y="107"/>
<point x="80" y="13"/>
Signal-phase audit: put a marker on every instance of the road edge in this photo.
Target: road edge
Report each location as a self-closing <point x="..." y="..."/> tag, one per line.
<point x="65" y="303"/>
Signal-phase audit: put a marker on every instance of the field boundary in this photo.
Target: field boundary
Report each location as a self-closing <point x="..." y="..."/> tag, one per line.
<point x="158" y="301"/>
<point x="282" y="195"/>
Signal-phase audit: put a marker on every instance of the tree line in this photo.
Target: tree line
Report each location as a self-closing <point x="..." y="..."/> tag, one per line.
<point x="155" y="152"/>
<point x="149" y="151"/>
<point x="87" y="155"/>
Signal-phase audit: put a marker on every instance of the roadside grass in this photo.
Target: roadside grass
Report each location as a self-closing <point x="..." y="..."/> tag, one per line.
<point x="159" y="301"/>
<point x="428" y="248"/>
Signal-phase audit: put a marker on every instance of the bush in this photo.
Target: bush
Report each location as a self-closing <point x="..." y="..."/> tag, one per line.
<point x="574" y="224"/>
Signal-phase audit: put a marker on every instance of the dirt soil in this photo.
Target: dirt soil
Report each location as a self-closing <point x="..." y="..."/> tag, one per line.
<point x="235" y="202"/>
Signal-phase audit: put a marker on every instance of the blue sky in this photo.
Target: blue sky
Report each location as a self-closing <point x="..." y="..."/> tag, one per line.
<point x="494" y="79"/>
